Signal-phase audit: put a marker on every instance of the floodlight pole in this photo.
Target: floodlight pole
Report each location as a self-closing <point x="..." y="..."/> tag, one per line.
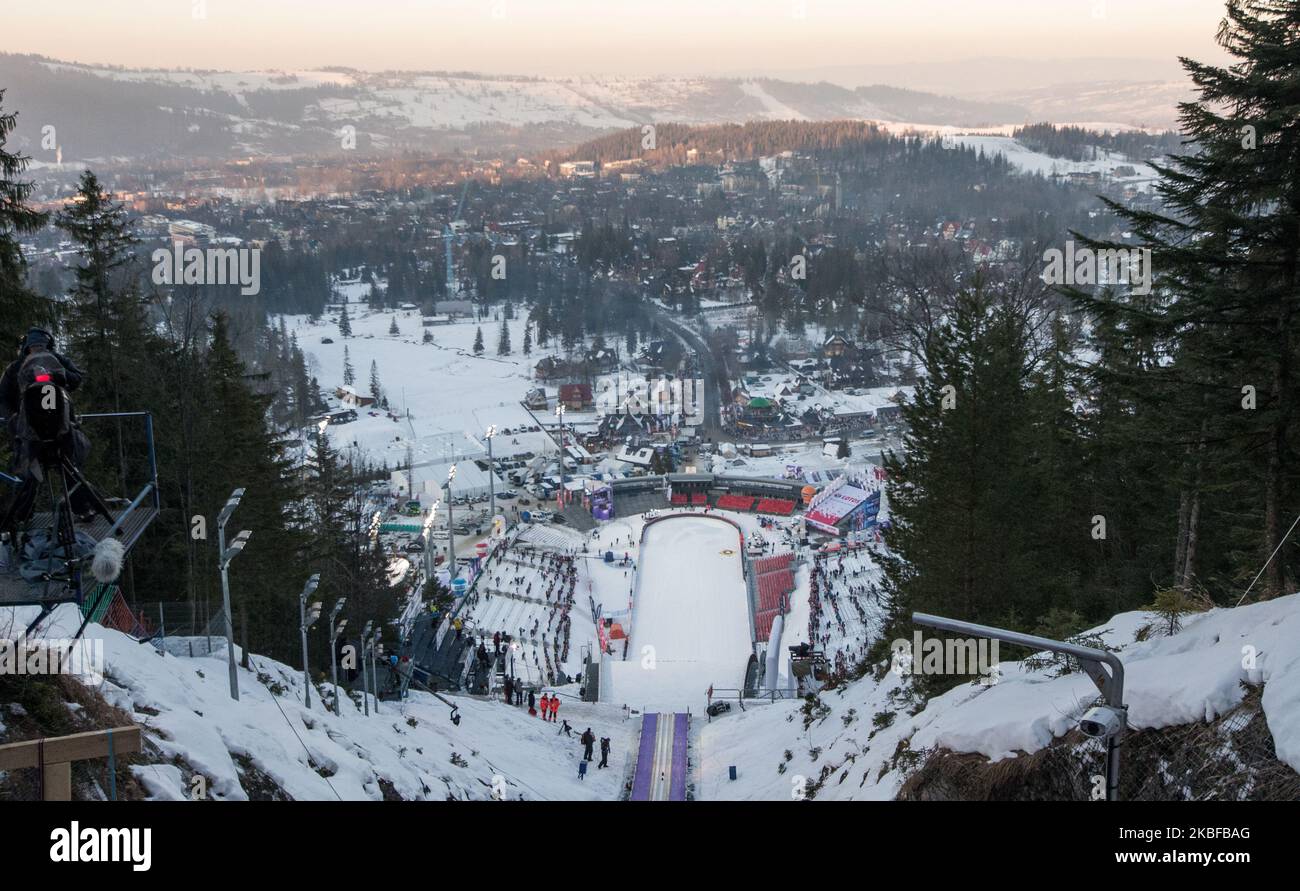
<point x="304" y="624"/>
<point x="336" y="628"/>
<point x="559" y="413"/>
<point x="224" y="557"/>
<point x="492" y="474"/>
<point x="365" y="684"/>
<point x="376" y="648"/>
<point x="1110" y="684"/>
<point x="427" y="534"/>
<point x="451" y="532"/>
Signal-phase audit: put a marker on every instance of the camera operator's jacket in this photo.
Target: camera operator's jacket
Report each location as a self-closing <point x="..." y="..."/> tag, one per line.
<point x="25" y="464"/>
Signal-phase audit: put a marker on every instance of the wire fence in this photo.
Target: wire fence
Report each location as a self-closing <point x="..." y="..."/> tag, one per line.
<point x="190" y="629"/>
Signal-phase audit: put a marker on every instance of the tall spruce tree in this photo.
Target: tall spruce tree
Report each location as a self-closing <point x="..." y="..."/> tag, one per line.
<point x="968" y="504"/>
<point x="20" y="308"/>
<point x="1208" y="358"/>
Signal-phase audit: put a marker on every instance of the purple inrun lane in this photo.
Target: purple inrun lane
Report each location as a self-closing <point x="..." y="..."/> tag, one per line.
<point x="677" y="792"/>
<point x="645" y="758"/>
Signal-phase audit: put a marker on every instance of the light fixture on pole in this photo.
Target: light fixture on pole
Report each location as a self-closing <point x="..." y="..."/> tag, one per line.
<point x="306" y="619"/>
<point x="365" y="683"/>
<point x="454" y="568"/>
<point x="426" y="533"/>
<point x="376" y="650"/>
<point x="492" y="489"/>
<point x="336" y="628"/>
<point x="559" y="413"/>
<point x="224" y="556"/>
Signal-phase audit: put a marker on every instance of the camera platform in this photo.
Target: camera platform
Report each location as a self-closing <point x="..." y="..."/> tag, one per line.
<point x="126" y="521"/>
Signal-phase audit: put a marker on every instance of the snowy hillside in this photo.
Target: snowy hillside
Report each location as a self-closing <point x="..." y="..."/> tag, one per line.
<point x="412" y="751"/>
<point x="854" y="735"/>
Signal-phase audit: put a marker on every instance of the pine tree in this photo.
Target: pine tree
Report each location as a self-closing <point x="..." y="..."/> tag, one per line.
<point x="349" y="373"/>
<point x="964" y="505"/>
<point x="478" y="342"/>
<point x="528" y="339"/>
<point x="20" y="308"/>
<point x="109" y="329"/>
<point x="393" y="329"/>
<point x="250" y="455"/>
<point x="1222" y="315"/>
<point x="345" y="324"/>
<point x="376" y="390"/>
<point x="503" y="340"/>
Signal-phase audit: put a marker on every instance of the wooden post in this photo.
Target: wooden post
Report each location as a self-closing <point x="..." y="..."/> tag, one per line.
<point x="61" y="751"/>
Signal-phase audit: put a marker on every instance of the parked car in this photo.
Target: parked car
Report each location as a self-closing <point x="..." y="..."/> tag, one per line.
<point x="508" y="494"/>
<point x="414" y="545"/>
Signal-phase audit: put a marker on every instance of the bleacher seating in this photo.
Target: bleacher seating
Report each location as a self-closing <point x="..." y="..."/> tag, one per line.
<point x="772" y="586"/>
<point x="772" y="564"/>
<point x="699" y="499"/>
<point x="736" y="502"/>
<point x="679" y="498"/>
<point x="763" y="623"/>
<point x="779" y="506"/>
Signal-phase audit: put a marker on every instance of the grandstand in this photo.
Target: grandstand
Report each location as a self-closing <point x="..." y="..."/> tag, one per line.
<point x="779" y="506"/>
<point x="773" y="581"/>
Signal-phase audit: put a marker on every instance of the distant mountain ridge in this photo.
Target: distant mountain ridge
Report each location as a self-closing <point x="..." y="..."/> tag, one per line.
<point x="100" y="111"/>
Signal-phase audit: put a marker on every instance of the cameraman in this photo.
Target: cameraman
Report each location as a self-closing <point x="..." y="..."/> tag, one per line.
<point x="25" y="465"/>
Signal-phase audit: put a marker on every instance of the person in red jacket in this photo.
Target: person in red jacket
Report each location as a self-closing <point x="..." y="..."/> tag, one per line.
<point x="542" y="705"/>
<point x="555" y="706"/>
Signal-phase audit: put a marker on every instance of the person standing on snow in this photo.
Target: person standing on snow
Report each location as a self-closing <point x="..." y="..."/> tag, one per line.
<point x="604" y="752"/>
<point x="543" y="706"/>
<point x="588" y="739"/>
<point x="555" y="706"/>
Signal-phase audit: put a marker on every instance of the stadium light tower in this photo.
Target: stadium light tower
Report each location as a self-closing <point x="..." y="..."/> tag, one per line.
<point x="427" y="534"/>
<point x="492" y="489"/>
<point x="451" y="532"/>
<point x="306" y="619"/>
<point x="224" y="556"/>
<point x="376" y="650"/>
<point x="366" y="644"/>
<point x="559" y="413"/>
<point x="336" y="628"/>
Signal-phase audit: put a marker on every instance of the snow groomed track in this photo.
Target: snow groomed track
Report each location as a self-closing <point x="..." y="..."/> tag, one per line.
<point x="690" y="618"/>
<point x="661" y="763"/>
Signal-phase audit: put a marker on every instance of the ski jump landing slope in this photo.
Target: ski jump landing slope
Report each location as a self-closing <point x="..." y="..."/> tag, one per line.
<point x="690" y="618"/>
<point x="661" y="761"/>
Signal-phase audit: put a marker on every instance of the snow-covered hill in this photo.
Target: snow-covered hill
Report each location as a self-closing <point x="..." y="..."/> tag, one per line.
<point x="850" y="740"/>
<point x="411" y="750"/>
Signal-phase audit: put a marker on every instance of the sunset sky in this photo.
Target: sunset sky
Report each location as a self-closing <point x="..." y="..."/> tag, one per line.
<point x="605" y="36"/>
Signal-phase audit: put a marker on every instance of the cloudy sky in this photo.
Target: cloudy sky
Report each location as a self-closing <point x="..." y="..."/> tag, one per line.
<point x="606" y="36"/>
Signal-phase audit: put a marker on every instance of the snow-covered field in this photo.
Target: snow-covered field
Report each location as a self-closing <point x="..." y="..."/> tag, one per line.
<point x="447" y="390"/>
<point x="1030" y="161"/>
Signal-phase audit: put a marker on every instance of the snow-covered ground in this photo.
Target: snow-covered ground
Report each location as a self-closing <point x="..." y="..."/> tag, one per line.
<point x="1030" y="161"/>
<point x="446" y="388"/>
<point x="1199" y="674"/>
<point x="193" y="727"/>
